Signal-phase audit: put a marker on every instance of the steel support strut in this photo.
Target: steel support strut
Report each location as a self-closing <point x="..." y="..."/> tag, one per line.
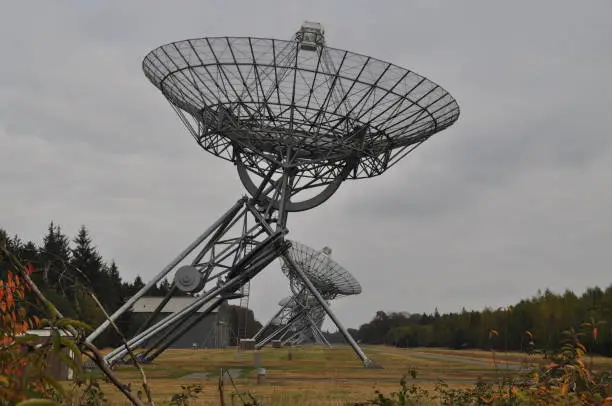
<point x="265" y="326"/>
<point x="227" y="222"/>
<point x="367" y="362"/>
<point x="321" y="337"/>
<point x="119" y="352"/>
<point x="233" y="258"/>
<point x="176" y="334"/>
<point x="275" y="333"/>
<point x="128" y="305"/>
<point x="316" y="332"/>
<point x="249" y="266"/>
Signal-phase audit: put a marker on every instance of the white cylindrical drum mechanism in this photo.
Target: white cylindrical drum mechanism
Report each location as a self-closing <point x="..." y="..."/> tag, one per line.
<point x="188" y="279"/>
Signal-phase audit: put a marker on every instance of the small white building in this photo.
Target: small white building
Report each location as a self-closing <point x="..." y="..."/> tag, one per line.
<point x="56" y="368"/>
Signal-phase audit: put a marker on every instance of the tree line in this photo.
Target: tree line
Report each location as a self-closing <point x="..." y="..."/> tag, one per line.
<point x="537" y="322"/>
<point x="67" y="271"/>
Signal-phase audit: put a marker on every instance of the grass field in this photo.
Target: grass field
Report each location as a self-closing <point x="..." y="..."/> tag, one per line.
<point x="316" y="375"/>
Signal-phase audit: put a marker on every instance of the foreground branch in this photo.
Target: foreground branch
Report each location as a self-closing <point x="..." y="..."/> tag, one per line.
<point x="145" y="384"/>
<point x="97" y="357"/>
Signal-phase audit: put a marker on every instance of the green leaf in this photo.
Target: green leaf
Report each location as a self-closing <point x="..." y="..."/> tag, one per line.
<point x="26" y="338"/>
<point x="51" y="308"/>
<point x="57" y="343"/>
<point x="44" y="323"/>
<point x="55" y="384"/>
<point x="74" y="323"/>
<point x="38" y="402"/>
<point x="71" y="345"/>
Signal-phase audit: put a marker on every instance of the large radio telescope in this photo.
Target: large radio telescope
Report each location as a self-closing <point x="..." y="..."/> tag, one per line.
<point x="322" y="114"/>
<point x="297" y="118"/>
<point x="299" y="322"/>
<point x="301" y="316"/>
<point x="328" y="276"/>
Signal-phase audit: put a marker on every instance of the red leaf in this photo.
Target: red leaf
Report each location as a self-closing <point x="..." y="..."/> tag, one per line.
<point x="29" y="268"/>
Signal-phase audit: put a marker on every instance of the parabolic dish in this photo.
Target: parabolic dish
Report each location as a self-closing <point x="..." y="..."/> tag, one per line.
<point x="295" y="302"/>
<point x="329" y="277"/>
<point x="258" y="96"/>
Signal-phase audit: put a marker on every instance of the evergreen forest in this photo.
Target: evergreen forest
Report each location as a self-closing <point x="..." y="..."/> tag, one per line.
<point x="534" y="323"/>
<point x="68" y="271"/>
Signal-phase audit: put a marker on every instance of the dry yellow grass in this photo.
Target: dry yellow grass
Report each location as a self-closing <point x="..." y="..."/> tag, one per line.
<point x="599" y="362"/>
<point x="314" y="376"/>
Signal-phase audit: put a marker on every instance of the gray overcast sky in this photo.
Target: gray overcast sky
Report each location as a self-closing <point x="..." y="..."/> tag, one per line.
<point x="513" y="198"/>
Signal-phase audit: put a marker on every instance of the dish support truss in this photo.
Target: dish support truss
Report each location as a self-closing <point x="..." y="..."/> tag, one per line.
<point x="298" y="321"/>
<point x="228" y="255"/>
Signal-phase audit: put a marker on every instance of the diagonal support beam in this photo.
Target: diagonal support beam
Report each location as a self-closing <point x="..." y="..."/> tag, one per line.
<point x="248" y="267"/>
<point x="128" y="304"/>
<point x="367" y="362"/>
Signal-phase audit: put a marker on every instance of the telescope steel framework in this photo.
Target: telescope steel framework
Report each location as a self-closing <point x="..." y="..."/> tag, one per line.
<point x="298" y="321"/>
<point x="297" y="118"/>
<point x="301" y="316"/>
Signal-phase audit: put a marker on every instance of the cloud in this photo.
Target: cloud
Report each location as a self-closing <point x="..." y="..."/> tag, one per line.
<point x="513" y="198"/>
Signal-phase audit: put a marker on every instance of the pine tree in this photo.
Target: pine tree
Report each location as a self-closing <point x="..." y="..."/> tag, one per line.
<point x="85" y="258"/>
<point x="137" y="285"/>
<point x="29" y="254"/>
<point x="113" y="272"/>
<point x="55" y="255"/>
<point x="164" y="287"/>
<point x="93" y="276"/>
<point x="116" y="284"/>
